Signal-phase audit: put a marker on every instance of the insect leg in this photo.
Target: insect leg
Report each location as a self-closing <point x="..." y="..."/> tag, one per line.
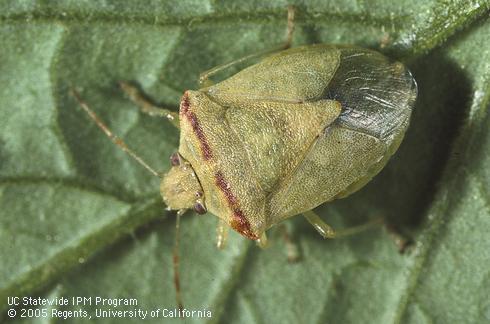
<point x="204" y="76"/>
<point x="323" y="228"/>
<point x="327" y="231"/>
<point x="401" y="241"/>
<point x="290" y="30"/>
<point x="147" y="106"/>
<point x="376" y="222"/>
<point x="221" y="234"/>
<point x="116" y="140"/>
<point x="292" y="250"/>
<point x="262" y="242"/>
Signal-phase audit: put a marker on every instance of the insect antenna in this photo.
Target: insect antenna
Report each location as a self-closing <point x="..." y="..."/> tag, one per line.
<point x="122" y="145"/>
<point x="176" y="259"/>
<point x="115" y="139"/>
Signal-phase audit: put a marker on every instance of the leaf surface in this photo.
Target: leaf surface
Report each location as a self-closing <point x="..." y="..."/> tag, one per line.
<point x="80" y="218"/>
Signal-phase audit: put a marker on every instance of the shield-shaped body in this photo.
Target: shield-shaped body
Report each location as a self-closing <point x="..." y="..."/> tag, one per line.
<point x="301" y="127"/>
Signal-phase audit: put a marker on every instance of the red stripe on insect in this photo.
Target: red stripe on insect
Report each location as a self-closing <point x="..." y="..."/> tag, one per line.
<point x="196" y="126"/>
<point x="239" y="222"/>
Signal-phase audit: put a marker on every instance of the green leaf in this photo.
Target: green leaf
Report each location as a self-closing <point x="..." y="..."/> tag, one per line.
<point x="80" y="218"/>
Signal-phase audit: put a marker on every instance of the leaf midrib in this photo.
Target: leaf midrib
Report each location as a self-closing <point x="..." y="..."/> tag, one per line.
<point x="439" y="211"/>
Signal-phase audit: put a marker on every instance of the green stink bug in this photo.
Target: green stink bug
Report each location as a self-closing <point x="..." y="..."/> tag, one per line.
<point x="301" y="127"/>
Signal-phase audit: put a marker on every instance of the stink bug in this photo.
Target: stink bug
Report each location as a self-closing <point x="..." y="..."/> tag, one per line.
<point x="301" y="127"/>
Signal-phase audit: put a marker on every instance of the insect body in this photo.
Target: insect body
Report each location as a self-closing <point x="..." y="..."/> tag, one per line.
<point x="302" y="127"/>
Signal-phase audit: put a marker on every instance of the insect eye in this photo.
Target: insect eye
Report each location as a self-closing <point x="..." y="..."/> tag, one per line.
<point x="175" y="159"/>
<point x="199" y="208"/>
